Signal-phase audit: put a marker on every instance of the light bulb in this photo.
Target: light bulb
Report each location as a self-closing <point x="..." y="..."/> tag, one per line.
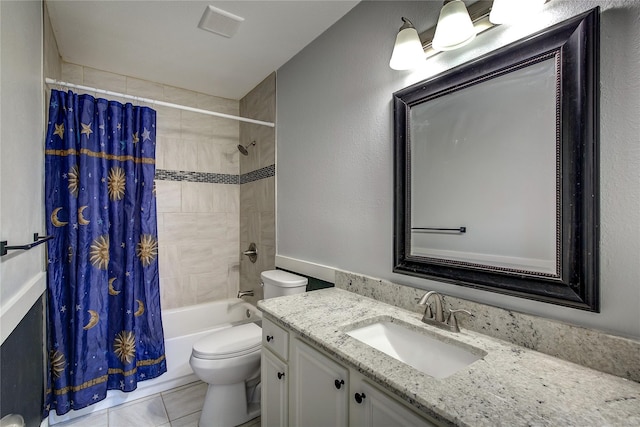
<point x="454" y="28"/>
<point x="407" y="52"/>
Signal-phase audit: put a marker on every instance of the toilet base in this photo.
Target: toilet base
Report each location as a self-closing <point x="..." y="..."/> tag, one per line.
<point x="226" y="406"/>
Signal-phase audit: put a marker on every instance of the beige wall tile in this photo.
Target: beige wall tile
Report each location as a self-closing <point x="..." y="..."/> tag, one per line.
<point x="265" y="195"/>
<point x="180" y="154"/>
<point x="180" y="229"/>
<point x="233" y="227"/>
<point x="160" y="220"/>
<point x="229" y="157"/>
<point x="196" y="126"/>
<point x="213" y="226"/>
<point x="197" y="197"/>
<point x="196" y="258"/>
<point x="168" y="196"/>
<point x="267" y="147"/>
<point x="215" y="103"/>
<point x="212" y="286"/>
<point x="72" y="73"/>
<point x="144" y="88"/>
<point x="226" y="198"/>
<point x="250" y="228"/>
<point x="208" y="156"/>
<point x="268" y="228"/>
<point x="105" y="80"/>
<point x="171" y="294"/>
<point x="159" y="152"/>
<point x="180" y="96"/>
<point x="168" y="262"/>
<point x="248" y="202"/>
<point x="168" y="122"/>
<point x="233" y="281"/>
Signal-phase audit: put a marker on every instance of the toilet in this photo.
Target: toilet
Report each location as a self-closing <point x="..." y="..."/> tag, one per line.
<point x="228" y="360"/>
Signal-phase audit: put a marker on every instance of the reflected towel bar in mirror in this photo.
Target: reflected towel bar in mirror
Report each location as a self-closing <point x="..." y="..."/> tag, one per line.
<point x="427" y="229"/>
<point x="37" y="240"/>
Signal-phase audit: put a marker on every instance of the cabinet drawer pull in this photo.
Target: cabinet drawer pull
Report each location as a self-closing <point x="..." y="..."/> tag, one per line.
<point x="280" y="375"/>
<point x="269" y="338"/>
<point x="359" y="397"/>
<point x="339" y="384"/>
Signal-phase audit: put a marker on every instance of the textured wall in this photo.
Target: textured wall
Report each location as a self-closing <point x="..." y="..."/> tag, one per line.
<point x="335" y="153"/>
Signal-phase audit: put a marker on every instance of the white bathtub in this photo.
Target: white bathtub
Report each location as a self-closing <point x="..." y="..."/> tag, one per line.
<point x="182" y="327"/>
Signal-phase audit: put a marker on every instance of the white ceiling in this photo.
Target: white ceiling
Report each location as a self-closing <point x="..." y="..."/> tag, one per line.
<point x="160" y="40"/>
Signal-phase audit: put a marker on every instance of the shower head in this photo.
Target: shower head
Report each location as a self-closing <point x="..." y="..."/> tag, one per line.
<point x="243" y="148"/>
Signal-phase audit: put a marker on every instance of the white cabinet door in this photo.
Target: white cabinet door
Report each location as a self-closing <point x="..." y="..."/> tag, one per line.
<point x="371" y="407"/>
<point x="318" y="390"/>
<point x="274" y="403"/>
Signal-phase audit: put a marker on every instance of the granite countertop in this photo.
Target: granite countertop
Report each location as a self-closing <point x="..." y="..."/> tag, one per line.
<point x="510" y="385"/>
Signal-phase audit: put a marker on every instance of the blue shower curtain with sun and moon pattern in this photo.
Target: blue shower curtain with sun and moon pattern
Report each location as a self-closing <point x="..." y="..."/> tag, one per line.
<point x="104" y="325"/>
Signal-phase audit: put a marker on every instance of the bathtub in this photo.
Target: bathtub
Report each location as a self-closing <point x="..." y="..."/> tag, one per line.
<point x="182" y="327"/>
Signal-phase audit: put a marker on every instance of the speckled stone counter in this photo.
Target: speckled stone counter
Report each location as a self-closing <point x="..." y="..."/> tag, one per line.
<point x="509" y="386"/>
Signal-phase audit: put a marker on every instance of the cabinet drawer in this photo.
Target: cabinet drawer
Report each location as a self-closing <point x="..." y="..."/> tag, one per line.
<point x="275" y="339"/>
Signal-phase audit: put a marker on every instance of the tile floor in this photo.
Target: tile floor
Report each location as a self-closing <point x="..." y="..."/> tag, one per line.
<point x="178" y="407"/>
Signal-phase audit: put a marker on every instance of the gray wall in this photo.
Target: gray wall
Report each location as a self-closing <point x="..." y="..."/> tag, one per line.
<point x="335" y="154"/>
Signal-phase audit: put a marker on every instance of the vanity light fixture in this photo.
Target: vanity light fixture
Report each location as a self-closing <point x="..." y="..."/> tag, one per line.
<point x="407" y="52"/>
<point x="483" y="15"/>
<point x="454" y="28"/>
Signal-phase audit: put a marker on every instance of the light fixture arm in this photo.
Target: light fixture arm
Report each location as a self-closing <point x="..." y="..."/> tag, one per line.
<point x="406" y="24"/>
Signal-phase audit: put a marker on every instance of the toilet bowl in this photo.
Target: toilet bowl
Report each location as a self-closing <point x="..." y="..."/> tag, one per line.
<point x="227" y="360"/>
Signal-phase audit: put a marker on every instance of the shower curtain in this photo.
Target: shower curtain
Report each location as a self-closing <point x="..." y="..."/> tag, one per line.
<point x="104" y="325"/>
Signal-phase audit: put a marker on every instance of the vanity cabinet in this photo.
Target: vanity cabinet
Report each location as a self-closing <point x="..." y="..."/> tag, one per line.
<point x="274" y="373"/>
<point x="371" y="407"/>
<point x="304" y="387"/>
<point x="318" y="388"/>
<point x="275" y="391"/>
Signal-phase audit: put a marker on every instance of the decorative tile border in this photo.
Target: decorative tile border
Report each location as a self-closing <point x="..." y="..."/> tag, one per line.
<point x="215" y="178"/>
<point x="256" y="175"/>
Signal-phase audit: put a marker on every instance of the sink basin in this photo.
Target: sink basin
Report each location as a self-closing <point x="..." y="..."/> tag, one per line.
<point x="421" y="351"/>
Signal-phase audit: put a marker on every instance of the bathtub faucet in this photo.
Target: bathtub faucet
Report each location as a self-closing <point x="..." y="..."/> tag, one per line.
<point x="245" y="294"/>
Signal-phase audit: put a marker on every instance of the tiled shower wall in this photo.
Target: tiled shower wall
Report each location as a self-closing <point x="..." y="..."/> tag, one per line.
<point x="257" y="188"/>
<point x="197" y="188"/>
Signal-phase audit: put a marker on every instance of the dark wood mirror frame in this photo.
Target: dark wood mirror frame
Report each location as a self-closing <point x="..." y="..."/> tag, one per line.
<point x="575" y="46"/>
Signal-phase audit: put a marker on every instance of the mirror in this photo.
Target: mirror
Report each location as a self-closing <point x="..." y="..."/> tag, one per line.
<point x="496" y="170"/>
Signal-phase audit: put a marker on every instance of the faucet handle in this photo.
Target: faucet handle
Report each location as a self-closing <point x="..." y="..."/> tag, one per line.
<point x="452" y="321"/>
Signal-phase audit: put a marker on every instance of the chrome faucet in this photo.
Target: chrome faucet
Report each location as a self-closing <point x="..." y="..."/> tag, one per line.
<point x="245" y="293"/>
<point x="435" y="316"/>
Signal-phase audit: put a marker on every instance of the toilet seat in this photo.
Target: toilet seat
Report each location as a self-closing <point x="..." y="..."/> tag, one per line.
<point x="230" y="342"/>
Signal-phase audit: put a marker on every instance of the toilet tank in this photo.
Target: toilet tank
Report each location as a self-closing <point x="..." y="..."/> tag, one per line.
<point x="279" y="283"/>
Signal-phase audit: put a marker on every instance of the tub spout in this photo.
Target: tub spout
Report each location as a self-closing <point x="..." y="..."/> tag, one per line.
<point x="245" y="294"/>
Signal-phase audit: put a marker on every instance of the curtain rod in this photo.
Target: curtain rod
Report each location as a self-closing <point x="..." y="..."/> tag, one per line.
<point x="156" y="102"/>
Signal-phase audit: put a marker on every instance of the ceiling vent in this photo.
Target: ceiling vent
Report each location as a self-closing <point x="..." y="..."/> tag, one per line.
<point x="220" y="22"/>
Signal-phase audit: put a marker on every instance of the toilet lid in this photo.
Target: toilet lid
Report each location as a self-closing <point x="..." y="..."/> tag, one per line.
<point x="230" y="342"/>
